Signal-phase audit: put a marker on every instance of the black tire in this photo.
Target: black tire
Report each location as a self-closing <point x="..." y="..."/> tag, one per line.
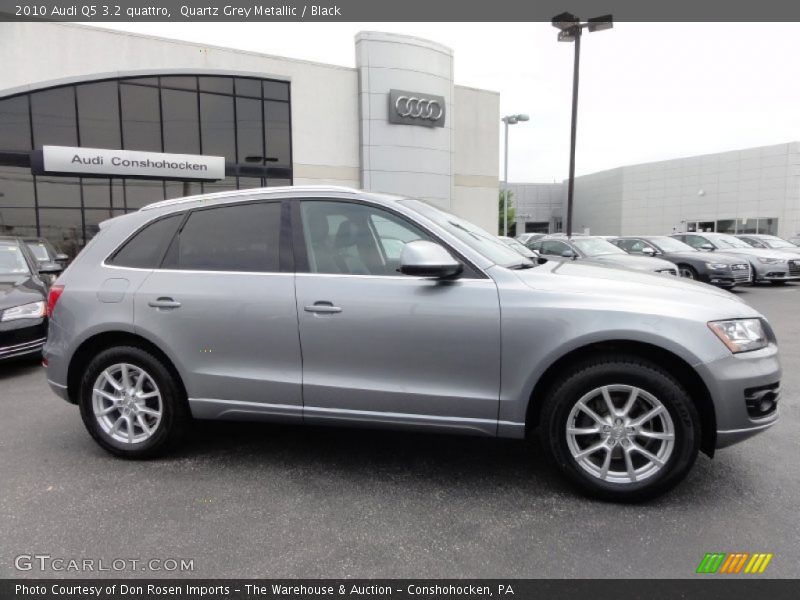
<point x="778" y="282"/>
<point x="691" y="272"/>
<point x="620" y="369"/>
<point x="175" y="414"/>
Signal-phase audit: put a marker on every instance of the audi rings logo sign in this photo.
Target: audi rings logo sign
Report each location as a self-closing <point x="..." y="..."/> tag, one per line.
<point x="413" y="108"/>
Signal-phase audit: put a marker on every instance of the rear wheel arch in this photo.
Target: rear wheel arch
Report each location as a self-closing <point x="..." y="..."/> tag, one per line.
<point x="674" y="364"/>
<point x="95" y="344"/>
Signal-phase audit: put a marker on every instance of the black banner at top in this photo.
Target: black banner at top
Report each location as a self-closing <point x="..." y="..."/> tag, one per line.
<point x="394" y="10"/>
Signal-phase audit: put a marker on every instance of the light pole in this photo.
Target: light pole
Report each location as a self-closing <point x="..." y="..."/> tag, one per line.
<point x="571" y="29"/>
<point x="508" y="120"/>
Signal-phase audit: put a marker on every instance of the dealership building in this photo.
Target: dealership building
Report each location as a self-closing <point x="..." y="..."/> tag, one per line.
<point x="756" y="190"/>
<point x="95" y="123"/>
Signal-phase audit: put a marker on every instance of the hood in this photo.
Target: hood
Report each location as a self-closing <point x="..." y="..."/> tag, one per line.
<point x="629" y="261"/>
<point x="717" y="256"/>
<point x="21" y="289"/>
<point x="637" y="291"/>
<point x="754" y="252"/>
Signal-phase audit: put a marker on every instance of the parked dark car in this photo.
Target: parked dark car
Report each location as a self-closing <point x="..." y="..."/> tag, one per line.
<point x="23" y="299"/>
<point x="596" y="250"/>
<point x="722" y="270"/>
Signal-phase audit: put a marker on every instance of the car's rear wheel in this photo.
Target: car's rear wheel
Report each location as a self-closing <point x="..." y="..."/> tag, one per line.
<point x="131" y="404"/>
<point x="621" y="428"/>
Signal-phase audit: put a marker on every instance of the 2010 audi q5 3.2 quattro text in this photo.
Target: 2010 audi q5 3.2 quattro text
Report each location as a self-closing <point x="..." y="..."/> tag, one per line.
<point x="328" y="305"/>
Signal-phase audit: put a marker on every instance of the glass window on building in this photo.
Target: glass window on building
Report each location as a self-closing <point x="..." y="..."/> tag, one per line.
<point x="768" y="226"/>
<point x="15" y="124"/>
<point x="58" y="192"/>
<point x="217" y="126"/>
<point x="278" y="133"/>
<point x="141" y="192"/>
<point x="53" y="113"/>
<point x="98" y="115"/>
<point x="249" y="131"/>
<point x="726" y="226"/>
<point x="181" y="119"/>
<point x="747" y="226"/>
<point x="16" y="187"/>
<point x="141" y="126"/>
<point x="96" y="193"/>
<point x="64" y="228"/>
<point x="17" y="221"/>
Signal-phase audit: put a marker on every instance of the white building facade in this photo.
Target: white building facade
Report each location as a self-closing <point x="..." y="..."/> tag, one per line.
<point x="755" y="190"/>
<point x="275" y="120"/>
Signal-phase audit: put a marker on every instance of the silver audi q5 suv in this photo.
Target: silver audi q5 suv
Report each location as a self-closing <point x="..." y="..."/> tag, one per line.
<point x="324" y="305"/>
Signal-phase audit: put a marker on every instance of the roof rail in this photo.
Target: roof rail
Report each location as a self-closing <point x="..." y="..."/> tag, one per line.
<point x="248" y="192"/>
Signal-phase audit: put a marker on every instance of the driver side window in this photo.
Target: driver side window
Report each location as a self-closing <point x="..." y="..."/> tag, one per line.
<point x="344" y="238"/>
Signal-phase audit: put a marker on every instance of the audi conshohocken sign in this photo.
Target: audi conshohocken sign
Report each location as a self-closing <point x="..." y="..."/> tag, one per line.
<point x="413" y="108"/>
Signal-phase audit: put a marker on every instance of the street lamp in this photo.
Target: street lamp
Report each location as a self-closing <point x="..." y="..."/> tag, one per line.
<point x="509" y="120"/>
<point x="571" y="28"/>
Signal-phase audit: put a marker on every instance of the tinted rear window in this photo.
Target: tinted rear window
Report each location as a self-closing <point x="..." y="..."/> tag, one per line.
<point x="145" y="249"/>
<point x="243" y="237"/>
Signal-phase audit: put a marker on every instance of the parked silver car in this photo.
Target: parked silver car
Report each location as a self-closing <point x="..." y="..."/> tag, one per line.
<point x="325" y="305"/>
<point x="772" y="266"/>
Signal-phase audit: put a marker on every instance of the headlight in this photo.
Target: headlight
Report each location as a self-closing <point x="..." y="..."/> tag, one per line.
<point x="740" y="335"/>
<point x="716" y="265"/>
<point x="34" y="310"/>
<point x="772" y="261"/>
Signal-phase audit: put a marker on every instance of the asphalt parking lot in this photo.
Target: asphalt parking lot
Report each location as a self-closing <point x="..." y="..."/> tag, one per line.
<point x="246" y="500"/>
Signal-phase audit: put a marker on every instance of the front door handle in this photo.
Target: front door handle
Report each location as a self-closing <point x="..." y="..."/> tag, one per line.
<point x="164" y="303"/>
<point x="323" y="307"/>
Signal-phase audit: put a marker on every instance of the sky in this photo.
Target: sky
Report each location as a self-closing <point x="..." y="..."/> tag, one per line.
<point x="648" y="91"/>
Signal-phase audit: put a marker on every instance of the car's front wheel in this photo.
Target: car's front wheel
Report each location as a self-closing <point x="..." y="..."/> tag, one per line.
<point x="131" y="404"/>
<point x="621" y="428"/>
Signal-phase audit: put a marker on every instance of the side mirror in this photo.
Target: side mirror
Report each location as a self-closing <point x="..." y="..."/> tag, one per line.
<point x="707" y="247"/>
<point x="61" y="257"/>
<point x="568" y="254"/>
<point x="648" y="251"/>
<point x="427" y="259"/>
<point x="50" y="268"/>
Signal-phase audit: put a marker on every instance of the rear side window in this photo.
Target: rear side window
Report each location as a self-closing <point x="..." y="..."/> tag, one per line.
<point x="145" y="249"/>
<point x="244" y="237"/>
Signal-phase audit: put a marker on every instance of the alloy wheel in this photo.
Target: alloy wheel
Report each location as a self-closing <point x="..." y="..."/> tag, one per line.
<point x="127" y="403"/>
<point x="620" y="434"/>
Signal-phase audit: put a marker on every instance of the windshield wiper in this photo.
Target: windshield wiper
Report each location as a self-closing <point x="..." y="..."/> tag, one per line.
<point x="520" y="266"/>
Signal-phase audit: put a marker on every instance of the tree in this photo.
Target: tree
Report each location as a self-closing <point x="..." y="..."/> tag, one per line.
<point x="512" y="224"/>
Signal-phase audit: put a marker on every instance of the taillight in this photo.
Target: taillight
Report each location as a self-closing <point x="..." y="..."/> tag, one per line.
<point x="52" y="298"/>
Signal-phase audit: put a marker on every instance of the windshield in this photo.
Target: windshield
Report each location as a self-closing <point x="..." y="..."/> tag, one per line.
<point x="668" y="244"/>
<point x="723" y="240"/>
<point x="596" y="246"/>
<point x="12" y="261"/>
<point x="473" y="236"/>
<point x="39" y="251"/>
<point x="514" y="244"/>
<point x="776" y="242"/>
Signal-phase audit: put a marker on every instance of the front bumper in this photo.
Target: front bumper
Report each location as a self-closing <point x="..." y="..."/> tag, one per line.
<point x="729" y="381"/>
<point x="23" y="337"/>
<point x="778" y="272"/>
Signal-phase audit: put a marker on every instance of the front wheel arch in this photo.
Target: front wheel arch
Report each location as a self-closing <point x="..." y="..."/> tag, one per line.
<point x="678" y="368"/>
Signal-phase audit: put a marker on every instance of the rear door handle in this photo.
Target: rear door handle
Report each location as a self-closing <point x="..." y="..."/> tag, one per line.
<point x="164" y="303"/>
<point x="323" y="307"/>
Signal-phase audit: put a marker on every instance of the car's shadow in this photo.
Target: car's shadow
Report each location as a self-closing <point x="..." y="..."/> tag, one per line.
<point x="16" y="367"/>
<point x="438" y="463"/>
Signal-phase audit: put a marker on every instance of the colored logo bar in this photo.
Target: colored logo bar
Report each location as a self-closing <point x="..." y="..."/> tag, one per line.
<point x="734" y="563"/>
